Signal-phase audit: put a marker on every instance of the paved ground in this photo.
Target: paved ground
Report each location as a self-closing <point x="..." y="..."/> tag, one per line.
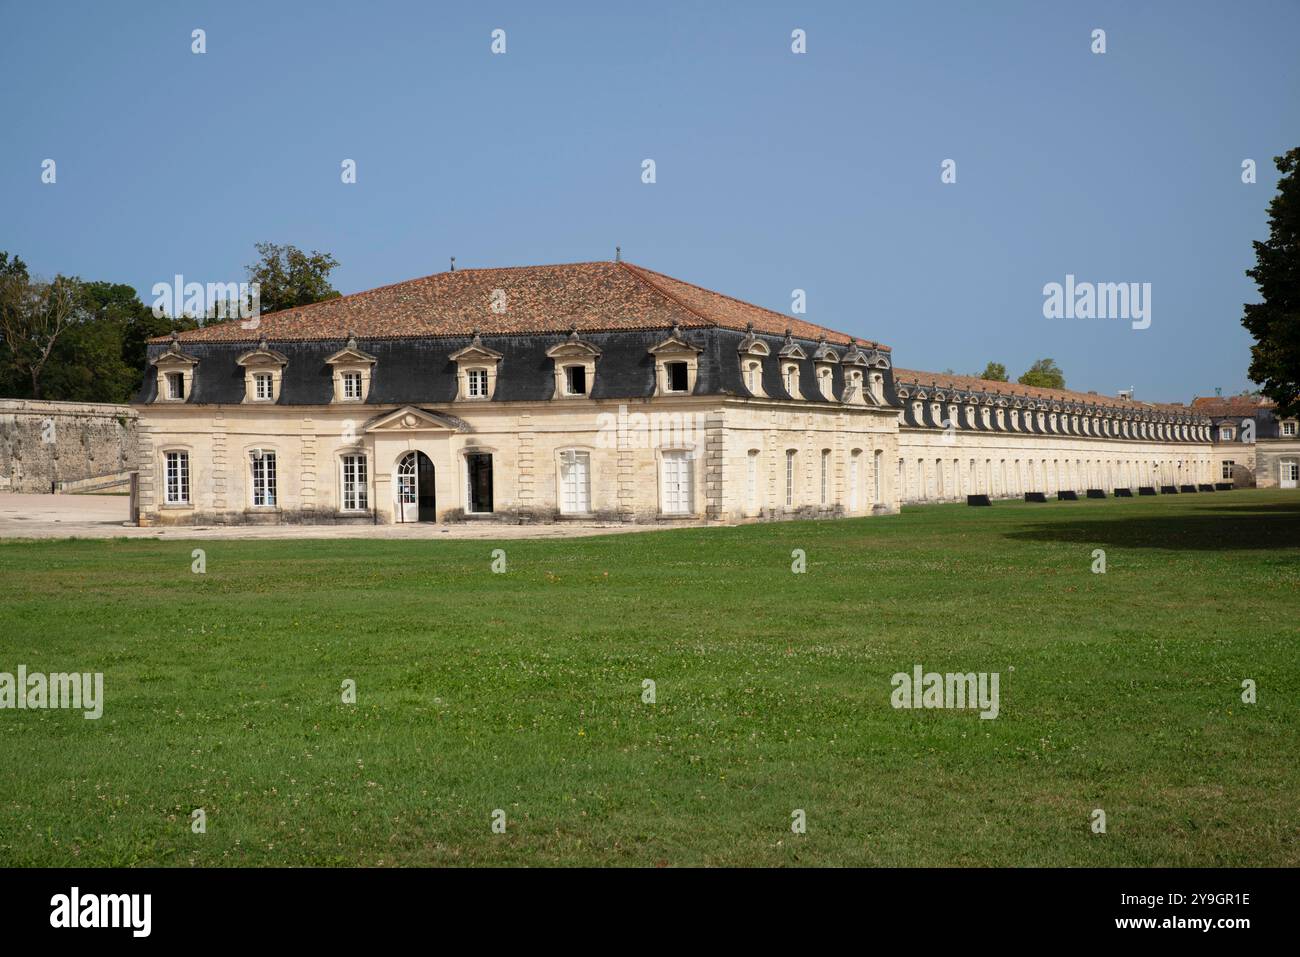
<point x="104" y="516"/>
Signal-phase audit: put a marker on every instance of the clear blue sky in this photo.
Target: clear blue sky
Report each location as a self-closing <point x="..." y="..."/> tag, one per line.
<point x="775" y="171"/>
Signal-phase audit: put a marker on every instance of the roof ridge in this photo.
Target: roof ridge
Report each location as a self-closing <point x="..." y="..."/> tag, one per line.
<point x="635" y="270"/>
<point x="1061" y="393"/>
<point x="743" y="302"/>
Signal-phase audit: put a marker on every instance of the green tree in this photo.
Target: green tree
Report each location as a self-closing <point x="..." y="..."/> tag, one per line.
<point x="1275" y="322"/>
<point x="290" y="277"/>
<point x="995" y="372"/>
<point x="1044" y="374"/>
<point x="34" y="315"/>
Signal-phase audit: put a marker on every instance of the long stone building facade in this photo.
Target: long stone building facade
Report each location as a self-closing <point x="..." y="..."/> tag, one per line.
<point x="601" y="392"/>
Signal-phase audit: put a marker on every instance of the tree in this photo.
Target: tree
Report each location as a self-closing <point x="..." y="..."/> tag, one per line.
<point x="1275" y="322"/>
<point x="289" y="277"/>
<point x="34" y="314"/>
<point x="994" y="372"/>
<point x="1044" y="374"/>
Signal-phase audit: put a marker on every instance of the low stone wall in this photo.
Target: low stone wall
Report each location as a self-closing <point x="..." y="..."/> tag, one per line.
<point x="46" y="444"/>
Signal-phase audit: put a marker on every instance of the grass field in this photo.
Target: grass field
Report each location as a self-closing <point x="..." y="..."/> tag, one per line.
<point x="523" y="691"/>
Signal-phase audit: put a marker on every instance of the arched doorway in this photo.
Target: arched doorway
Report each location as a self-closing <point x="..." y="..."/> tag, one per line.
<point x="414" y="489"/>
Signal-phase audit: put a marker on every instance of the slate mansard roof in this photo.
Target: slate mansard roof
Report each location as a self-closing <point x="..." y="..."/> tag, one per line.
<point x="413" y="328"/>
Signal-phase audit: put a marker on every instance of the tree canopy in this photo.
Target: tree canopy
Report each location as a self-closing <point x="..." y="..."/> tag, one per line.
<point x="1275" y="322"/>
<point x="994" y="372"/>
<point x="289" y="277"/>
<point x="1044" y="374"/>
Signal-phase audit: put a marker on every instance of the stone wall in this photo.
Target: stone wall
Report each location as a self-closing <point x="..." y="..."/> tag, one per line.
<point x="1270" y="454"/>
<point x="44" y="444"/>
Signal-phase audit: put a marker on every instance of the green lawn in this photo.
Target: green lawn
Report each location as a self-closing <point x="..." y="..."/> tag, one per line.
<point x="523" y="691"/>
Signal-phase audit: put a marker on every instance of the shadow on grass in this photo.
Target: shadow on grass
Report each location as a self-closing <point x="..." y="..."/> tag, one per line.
<point x="1213" y="528"/>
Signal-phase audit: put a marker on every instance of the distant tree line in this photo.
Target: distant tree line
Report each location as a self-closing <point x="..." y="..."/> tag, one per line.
<point x="76" y="340"/>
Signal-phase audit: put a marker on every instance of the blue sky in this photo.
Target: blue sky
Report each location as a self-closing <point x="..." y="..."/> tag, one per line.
<point x="775" y="171"/>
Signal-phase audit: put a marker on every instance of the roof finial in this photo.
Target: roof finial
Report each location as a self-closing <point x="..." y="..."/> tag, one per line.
<point x="453" y="263"/>
<point x="618" y="254"/>
<point x="573" y="332"/>
<point x="352" y="340"/>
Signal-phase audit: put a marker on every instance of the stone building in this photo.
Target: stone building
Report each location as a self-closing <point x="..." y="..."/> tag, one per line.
<point x="602" y="391"/>
<point x="593" y="391"/>
<point x="1252" y="445"/>
<point x="961" y="435"/>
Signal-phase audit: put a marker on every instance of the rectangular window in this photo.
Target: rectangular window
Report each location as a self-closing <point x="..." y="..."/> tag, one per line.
<point x="262" y="389"/>
<point x="826" y="477"/>
<point x="177" y="490"/>
<point x="789" y="478"/>
<point x="355" y="487"/>
<point x="352" y="385"/>
<point x="575" y="482"/>
<point x="575" y="380"/>
<point x="1227" y="469"/>
<point x="1225" y="434"/>
<point x="263" y="464"/>
<point x="477" y="382"/>
<point x="677" y="376"/>
<point x="175" y="385"/>
<point x="675" y="481"/>
<point x="478" y="468"/>
<point x="854" y="459"/>
<point x="1288" y="429"/>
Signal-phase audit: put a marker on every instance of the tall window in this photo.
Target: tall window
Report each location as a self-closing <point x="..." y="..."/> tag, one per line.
<point x="789" y="477"/>
<point x="751" y="481"/>
<point x="352" y="385"/>
<point x="175" y="385"/>
<point x="355" y="487"/>
<point x="753" y="376"/>
<point x="826" y="477"/>
<point x="177" y="487"/>
<point x="675" y="483"/>
<point x="476" y="380"/>
<point x="262" y="389"/>
<point x="478" y="473"/>
<point x="575" y="482"/>
<point x="938" y="478"/>
<point x="263" y="464"/>
<point x="1227" y="469"/>
<point x="875" y="473"/>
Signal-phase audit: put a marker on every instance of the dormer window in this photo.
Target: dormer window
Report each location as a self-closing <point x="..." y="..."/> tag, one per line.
<point x="351" y="385"/>
<point x="754" y="377"/>
<point x="352" y="372"/>
<point x="575" y="380"/>
<point x="575" y="367"/>
<point x="263" y="368"/>
<point x="677" y="364"/>
<point x="175" y="371"/>
<point x="1289" y="429"/>
<point x="476" y="365"/>
<point x="825" y="382"/>
<point x="790" y="379"/>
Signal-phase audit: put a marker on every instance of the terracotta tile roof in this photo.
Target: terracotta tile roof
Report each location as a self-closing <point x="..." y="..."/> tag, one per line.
<point x="599" y="296"/>
<point x="1232" y="406"/>
<point x="976" y="384"/>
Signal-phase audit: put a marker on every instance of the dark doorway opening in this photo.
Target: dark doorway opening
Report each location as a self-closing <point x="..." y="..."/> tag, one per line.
<point x="479" y="465"/>
<point x="428" y="510"/>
